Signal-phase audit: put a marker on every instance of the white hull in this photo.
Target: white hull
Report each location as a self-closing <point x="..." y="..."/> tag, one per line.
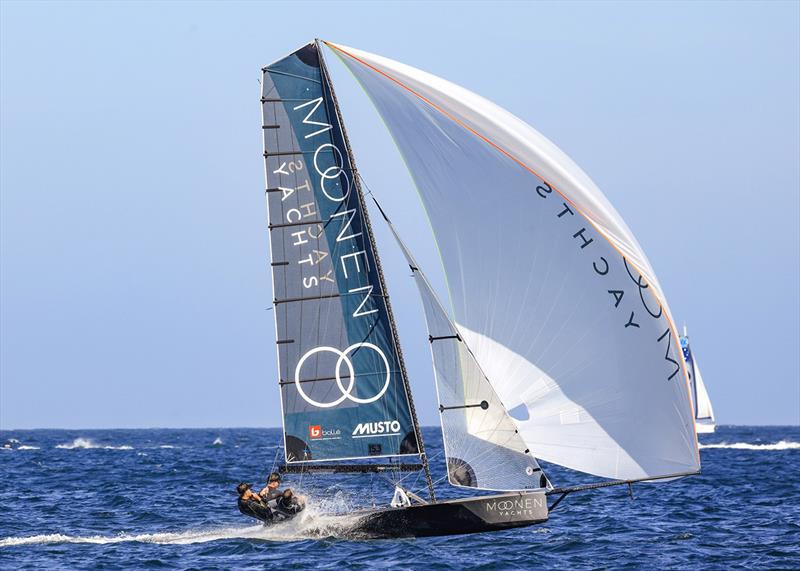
<point x="705" y="428"/>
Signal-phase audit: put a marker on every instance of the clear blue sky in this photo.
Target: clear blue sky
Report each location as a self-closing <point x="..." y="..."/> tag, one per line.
<point x="134" y="281"/>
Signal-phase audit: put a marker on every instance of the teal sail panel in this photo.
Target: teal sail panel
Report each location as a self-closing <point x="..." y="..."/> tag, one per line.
<point x="343" y="393"/>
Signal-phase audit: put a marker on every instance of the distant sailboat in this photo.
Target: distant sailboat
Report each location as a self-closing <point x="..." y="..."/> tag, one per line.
<point x="703" y="412"/>
<point x="556" y="312"/>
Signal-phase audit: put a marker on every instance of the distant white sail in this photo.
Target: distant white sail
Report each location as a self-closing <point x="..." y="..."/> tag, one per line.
<point x="704" y="409"/>
<point x="549" y="288"/>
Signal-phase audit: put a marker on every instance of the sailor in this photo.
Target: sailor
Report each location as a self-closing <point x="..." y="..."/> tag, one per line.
<point x="251" y="504"/>
<point x="289" y="503"/>
<point x="284" y="501"/>
<point x="271" y="492"/>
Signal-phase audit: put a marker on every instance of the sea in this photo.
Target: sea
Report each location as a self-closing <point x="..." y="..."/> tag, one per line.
<point x="165" y="499"/>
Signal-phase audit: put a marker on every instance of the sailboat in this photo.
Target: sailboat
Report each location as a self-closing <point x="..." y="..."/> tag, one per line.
<point x="703" y="411"/>
<point x="552" y="342"/>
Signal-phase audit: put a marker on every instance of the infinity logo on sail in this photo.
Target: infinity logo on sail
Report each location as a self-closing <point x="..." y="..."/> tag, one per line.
<point x="345" y="390"/>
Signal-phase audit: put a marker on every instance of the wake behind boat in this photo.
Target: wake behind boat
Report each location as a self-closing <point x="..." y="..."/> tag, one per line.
<point x="570" y="332"/>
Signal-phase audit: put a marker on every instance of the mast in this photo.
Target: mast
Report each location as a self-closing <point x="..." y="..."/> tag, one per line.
<point x="357" y="183"/>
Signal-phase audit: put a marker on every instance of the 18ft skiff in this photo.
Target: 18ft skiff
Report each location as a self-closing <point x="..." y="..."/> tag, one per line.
<point x="558" y="318"/>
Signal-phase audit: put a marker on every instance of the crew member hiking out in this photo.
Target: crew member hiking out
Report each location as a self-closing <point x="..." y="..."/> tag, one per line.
<point x="270" y="491"/>
<point x="251" y="504"/>
<point x="284" y="501"/>
<point x="270" y="505"/>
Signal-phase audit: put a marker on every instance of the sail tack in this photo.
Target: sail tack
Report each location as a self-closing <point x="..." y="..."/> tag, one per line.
<point x="342" y="390"/>
<point x="549" y="288"/>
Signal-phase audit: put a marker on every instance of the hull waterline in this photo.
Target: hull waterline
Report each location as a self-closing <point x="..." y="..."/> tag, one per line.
<point x="455" y="517"/>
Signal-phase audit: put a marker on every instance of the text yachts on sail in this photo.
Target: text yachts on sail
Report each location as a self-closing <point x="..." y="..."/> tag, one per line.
<point x="581" y="347"/>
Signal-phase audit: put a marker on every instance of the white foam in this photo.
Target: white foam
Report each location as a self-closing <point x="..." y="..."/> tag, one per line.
<point x="782" y="445"/>
<point x="167" y="446"/>
<point x="87" y="443"/>
<point x="24" y="447"/>
<point x="306" y="525"/>
<point x="192" y="536"/>
<point x="217" y="441"/>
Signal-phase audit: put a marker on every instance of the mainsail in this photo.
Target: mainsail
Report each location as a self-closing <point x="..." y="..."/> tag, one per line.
<point x="483" y="448"/>
<point x="549" y="288"/>
<point x="343" y="390"/>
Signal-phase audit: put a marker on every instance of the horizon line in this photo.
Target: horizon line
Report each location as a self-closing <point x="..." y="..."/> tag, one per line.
<point x="280" y="428"/>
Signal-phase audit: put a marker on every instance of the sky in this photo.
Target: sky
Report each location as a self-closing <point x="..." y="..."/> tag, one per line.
<point x="134" y="276"/>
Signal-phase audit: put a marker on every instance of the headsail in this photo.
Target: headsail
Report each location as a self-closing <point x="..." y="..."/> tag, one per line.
<point x="483" y="448"/>
<point x="704" y="409"/>
<point x="550" y="289"/>
<point x="343" y="393"/>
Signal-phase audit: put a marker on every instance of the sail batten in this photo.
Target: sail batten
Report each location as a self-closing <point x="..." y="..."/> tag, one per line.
<point x="343" y="390"/>
<point x="549" y="287"/>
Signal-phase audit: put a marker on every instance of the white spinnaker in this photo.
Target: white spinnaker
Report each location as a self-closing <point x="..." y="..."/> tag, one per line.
<point x="550" y="289"/>
<point x="704" y="408"/>
<point x="483" y="447"/>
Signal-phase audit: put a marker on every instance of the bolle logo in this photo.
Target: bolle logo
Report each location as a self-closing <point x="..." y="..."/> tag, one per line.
<point x="316" y="432"/>
<point x="382" y="428"/>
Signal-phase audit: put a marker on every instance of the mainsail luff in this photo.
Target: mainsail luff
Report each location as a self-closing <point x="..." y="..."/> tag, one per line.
<point x="327" y="293"/>
<point x="381" y="280"/>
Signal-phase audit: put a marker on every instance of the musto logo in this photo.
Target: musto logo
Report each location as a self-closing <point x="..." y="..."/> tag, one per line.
<point x="344" y="359"/>
<point x="383" y="428"/>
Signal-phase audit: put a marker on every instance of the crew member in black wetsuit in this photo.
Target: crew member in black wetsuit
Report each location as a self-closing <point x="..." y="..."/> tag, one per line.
<point x="271" y="492"/>
<point x="251" y="504"/>
<point x="285" y="501"/>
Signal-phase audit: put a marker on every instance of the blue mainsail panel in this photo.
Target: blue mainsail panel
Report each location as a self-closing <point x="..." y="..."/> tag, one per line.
<point x="342" y="389"/>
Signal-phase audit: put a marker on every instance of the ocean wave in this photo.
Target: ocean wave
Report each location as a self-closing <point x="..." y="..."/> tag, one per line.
<point x="781" y="445"/>
<point x="87" y="443"/>
<point x="14" y="444"/>
<point x="167" y="446"/>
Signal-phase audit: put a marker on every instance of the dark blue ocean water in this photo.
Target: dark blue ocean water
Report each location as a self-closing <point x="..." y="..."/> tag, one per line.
<point x="144" y="499"/>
